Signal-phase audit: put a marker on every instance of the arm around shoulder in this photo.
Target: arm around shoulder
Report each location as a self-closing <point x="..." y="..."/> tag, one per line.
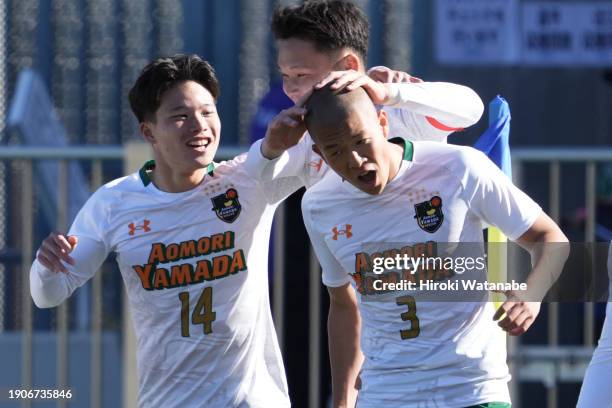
<point x="444" y="104"/>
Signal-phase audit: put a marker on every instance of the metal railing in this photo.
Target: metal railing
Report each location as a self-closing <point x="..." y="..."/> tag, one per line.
<point x="27" y="156"/>
<point x="551" y="363"/>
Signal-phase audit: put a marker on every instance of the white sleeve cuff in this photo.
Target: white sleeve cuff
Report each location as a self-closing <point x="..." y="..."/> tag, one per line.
<point x="335" y="283"/>
<point x="521" y="229"/>
<point x="393" y="96"/>
<point x="256" y="163"/>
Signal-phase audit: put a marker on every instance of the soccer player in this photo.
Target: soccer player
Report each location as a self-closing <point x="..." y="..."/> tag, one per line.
<point x="596" y="391"/>
<point x="325" y="41"/>
<point x="191" y="238"/>
<point x="418" y="195"/>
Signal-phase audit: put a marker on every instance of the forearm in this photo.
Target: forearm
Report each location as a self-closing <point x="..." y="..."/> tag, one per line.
<point x="549" y="249"/>
<point x="548" y="257"/>
<point x="453" y="105"/>
<point x="344" y="327"/>
<point x="48" y="289"/>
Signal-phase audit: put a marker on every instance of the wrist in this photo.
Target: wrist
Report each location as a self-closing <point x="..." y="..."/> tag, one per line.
<point x="341" y="402"/>
<point x="535" y="291"/>
<point x="268" y="151"/>
<point x="392" y="94"/>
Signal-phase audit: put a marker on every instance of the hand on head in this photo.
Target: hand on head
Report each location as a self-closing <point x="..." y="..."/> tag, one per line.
<point x="286" y="129"/>
<point x="352" y="79"/>
<point x="386" y="75"/>
<point x="374" y="82"/>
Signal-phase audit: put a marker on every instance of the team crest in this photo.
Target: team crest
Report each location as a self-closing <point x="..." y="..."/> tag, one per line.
<point x="226" y="206"/>
<point x="429" y="214"/>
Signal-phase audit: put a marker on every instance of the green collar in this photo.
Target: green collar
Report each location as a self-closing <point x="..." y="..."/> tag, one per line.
<point x="150" y="165"/>
<point x="407" y="145"/>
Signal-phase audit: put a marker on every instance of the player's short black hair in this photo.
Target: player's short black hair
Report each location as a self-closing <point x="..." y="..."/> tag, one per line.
<point x="329" y="24"/>
<point x="162" y="74"/>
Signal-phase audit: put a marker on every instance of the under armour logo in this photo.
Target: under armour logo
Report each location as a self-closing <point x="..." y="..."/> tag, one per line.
<point x="346" y="231"/>
<point x="144" y="227"/>
<point x="317" y="164"/>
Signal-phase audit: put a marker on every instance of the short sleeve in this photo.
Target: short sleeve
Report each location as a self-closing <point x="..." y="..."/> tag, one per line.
<point x="493" y="197"/>
<point x="333" y="274"/>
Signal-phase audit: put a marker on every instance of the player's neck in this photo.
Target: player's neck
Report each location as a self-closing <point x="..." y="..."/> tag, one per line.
<point x="175" y="181"/>
<point x="396" y="155"/>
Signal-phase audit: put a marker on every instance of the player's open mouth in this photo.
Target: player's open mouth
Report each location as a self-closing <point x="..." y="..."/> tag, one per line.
<point x="199" y="144"/>
<point x="368" y="177"/>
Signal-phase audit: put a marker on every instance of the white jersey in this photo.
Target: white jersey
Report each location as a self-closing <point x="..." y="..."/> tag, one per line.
<point x="416" y="111"/>
<point x="420" y="353"/>
<point x="195" y="268"/>
<point x="596" y="390"/>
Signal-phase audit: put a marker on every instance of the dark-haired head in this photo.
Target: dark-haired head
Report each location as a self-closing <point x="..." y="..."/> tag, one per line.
<point x="164" y="73"/>
<point x="175" y="102"/>
<point x="316" y="38"/>
<point x="330" y="24"/>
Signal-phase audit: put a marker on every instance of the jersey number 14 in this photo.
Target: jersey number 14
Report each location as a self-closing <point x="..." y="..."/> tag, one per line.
<point x="202" y="312"/>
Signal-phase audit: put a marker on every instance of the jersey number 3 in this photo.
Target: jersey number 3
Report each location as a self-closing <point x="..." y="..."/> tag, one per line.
<point x="409" y="315"/>
<point x="202" y="312"/>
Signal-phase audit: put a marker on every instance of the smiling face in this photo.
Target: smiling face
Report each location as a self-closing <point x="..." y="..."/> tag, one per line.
<point x="301" y="65"/>
<point x="351" y="137"/>
<point x="185" y="130"/>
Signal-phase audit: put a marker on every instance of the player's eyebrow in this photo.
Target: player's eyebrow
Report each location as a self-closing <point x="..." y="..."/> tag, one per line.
<point x="292" y="67"/>
<point x="182" y="107"/>
<point x="330" y="146"/>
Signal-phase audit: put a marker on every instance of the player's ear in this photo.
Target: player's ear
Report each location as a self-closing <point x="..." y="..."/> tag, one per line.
<point x="315" y="149"/>
<point x="146" y="132"/>
<point x="383" y="121"/>
<point x="351" y="61"/>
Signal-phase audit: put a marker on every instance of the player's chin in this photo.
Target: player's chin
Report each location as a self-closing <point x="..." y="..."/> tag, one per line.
<point x="204" y="158"/>
<point x="370" y="184"/>
<point x="372" y="188"/>
<point x="369" y="188"/>
<point x="209" y="157"/>
<point x="195" y="163"/>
